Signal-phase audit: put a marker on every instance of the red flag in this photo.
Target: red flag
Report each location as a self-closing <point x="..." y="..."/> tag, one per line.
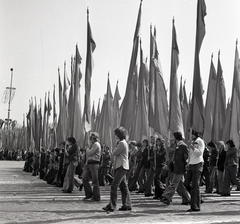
<point x="141" y="127"/>
<point x="129" y="101"/>
<point x="209" y="105"/>
<point x="175" y="112"/>
<point x="235" y="102"/>
<point x="220" y="105"/>
<point x="197" y="113"/>
<point x="88" y="74"/>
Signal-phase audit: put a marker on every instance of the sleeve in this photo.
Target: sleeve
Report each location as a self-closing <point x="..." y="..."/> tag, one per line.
<point x="72" y="150"/>
<point x="185" y="154"/>
<point x="198" y="151"/>
<point x="118" y="150"/>
<point x="93" y="150"/>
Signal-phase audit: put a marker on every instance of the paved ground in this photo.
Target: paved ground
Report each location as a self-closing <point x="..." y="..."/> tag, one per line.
<point x="27" y="199"/>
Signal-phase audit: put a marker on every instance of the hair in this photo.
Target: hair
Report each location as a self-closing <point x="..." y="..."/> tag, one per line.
<point x="231" y="143"/>
<point x="178" y="135"/>
<point x="212" y="144"/>
<point x="139" y="145"/>
<point x="145" y="141"/>
<point x="134" y="143"/>
<point x="195" y="133"/>
<point x="72" y="140"/>
<point x="120" y="132"/>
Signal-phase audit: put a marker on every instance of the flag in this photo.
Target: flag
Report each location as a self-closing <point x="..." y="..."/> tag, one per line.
<point x="93" y="118"/>
<point x="78" y="129"/>
<point x="106" y="133"/>
<point x="49" y="109"/>
<point x="209" y="105"/>
<point x="181" y="94"/>
<point x="60" y="100"/>
<point x="235" y="102"/>
<point x="1" y="123"/>
<point x="220" y="105"/>
<point x="97" y="120"/>
<point x="44" y="140"/>
<point x="141" y="127"/>
<point x="158" y="97"/>
<point x="116" y="109"/>
<point x="175" y="112"/>
<point x="54" y="139"/>
<point x="88" y="74"/>
<point x="197" y="113"/>
<point x="130" y="100"/>
<point x="226" y="130"/>
<point x="185" y="110"/>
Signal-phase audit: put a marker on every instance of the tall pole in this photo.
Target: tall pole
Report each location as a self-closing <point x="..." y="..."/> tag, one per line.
<point x="9" y="101"/>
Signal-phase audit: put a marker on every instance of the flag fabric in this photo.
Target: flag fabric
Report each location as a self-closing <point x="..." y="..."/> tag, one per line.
<point x="106" y="133"/>
<point x="54" y="139"/>
<point x="141" y="127"/>
<point x="78" y="129"/>
<point x="209" y="105"/>
<point x="49" y="109"/>
<point x="97" y="120"/>
<point x="116" y="108"/>
<point x="93" y="118"/>
<point x="197" y="113"/>
<point x="220" y="105"/>
<point x="60" y="100"/>
<point x="91" y="45"/>
<point x="175" y="111"/>
<point x="235" y="102"/>
<point x="157" y="94"/>
<point x="130" y="100"/>
<point x="226" y="130"/>
<point x="185" y="110"/>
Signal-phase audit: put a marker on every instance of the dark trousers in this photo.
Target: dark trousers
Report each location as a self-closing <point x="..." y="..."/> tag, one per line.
<point x="192" y="182"/>
<point x="133" y="181"/>
<point x="159" y="186"/>
<point x="68" y="183"/>
<point x="91" y="170"/>
<point x="102" y="175"/>
<point x="120" y="181"/>
<point x="230" y="176"/>
<point x="206" y="174"/>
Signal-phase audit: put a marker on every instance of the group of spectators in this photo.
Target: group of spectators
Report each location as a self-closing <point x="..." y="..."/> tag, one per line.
<point x="12" y="154"/>
<point x="148" y="167"/>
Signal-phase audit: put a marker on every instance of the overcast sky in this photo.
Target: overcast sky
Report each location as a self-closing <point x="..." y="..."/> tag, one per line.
<point x="38" y="36"/>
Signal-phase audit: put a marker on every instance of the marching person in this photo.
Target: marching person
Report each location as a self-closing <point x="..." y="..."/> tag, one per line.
<point x="220" y="165"/>
<point x="230" y="168"/>
<point x="179" y="162"/>
<point x="121" y="166"/>
<point x="91" y="169"/>
<point x="195" y="167"/>
<point x="68" y="183"/>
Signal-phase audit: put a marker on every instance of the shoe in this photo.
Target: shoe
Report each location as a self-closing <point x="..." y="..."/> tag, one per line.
<point x="156" y="198"/>
<point x="238" y="189"/>
<point x="148" y="195"/>
<point x="225" y="195"/>
<point x="166" y="202"/>
<point x="125" y="209"/>
<point x="140" y="192"/>
<point x="67" y="191"/>
<point x="94" y="200"/>
<point x="185" y="203"/>
<point x="208" y="191"/>
<point x="216" y="192"/>
<point x="86" y="198"/>
<point x="107" y="209"/>
<point x="81" y="187"/>
<point x="193" y="210"/>
<point x="202" y="201"/>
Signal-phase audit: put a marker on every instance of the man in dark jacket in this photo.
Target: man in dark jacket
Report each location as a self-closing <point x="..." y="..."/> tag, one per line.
<point x="230" y="168"/>
<point x="220" y="165"/>
<point x="180" y="157"/>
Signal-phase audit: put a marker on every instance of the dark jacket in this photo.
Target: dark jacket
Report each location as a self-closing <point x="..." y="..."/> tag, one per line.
<point x="213" y="157"/>
<point x="231" y="157"/>
<point x="161" y="155"/>
<point x="180" y="158"/>
<point x="145" y="161"/>
<point x="221" y="160"/>
<point x="73" y="153"/>
<point x="206" y="156"/>
<point x="106" y="159"/>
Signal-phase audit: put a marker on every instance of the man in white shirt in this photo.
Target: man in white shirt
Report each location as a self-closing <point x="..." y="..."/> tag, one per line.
<point x="195" y="167"/>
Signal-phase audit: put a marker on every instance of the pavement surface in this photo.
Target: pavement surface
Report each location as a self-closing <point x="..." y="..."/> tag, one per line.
<point x="27" y="199"/>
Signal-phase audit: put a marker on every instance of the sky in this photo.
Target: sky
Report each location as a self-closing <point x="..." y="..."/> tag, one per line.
<point x="36" y="37"/>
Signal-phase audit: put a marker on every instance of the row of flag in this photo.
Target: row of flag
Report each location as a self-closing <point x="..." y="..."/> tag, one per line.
<point x="145" y="108"/>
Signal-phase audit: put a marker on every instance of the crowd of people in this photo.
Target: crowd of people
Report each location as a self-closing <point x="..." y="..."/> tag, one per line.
<point x="150" y="167"/>
<point x="12" y="154"/>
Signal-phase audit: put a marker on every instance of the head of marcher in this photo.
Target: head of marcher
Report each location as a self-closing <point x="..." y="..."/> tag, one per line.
<point x="120" y="133"/>
<point x="221" y="145"/>
<point x="178" y="136"/>
<point x="211" y="145"/>
<point x="94" y="137"/>
<point x="195" y="135"/>
<point x="139" y="145"/>
<point x="145" y="143"/>
<point x="133" y="144"/>
<point x="152" y="139"/>
<point x="230" y="144"/>
<point x="71" y="141"/>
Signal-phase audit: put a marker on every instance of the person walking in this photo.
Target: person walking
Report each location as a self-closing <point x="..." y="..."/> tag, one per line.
<point x="230" y="168"/>
<point x="179" y="162"/>
<point x="195" y="167"/>
<point x="121" y="166"/>
<point x="68" y="183"/>
<point x="91" y="169"/>
<point x="220" y="165"/>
